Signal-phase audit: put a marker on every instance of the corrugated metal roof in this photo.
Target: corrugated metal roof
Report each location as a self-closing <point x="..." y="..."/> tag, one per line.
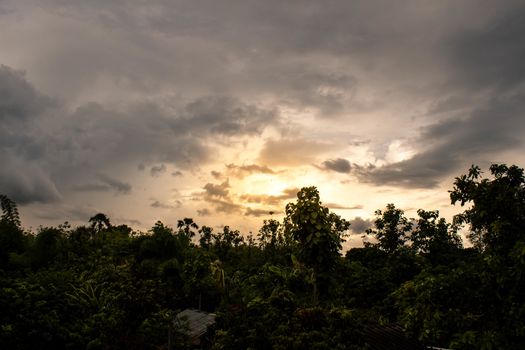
<point x="391" y="337"/>
<point x="197" y="322"/>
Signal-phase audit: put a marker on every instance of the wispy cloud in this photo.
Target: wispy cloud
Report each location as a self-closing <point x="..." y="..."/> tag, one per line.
<point x="247" y="169"/>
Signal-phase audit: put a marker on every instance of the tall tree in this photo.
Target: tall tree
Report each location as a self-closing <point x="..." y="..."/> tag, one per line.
<point x="12" y="238"/>
<point x="496" y="217"/>
<point x="391" y="228"/>
<point x="318" y="232"/>
<point x="187" y="227"/>
<point x="9" y="211"/>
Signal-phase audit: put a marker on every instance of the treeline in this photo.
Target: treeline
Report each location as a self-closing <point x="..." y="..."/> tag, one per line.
<point x="102" y="286"/>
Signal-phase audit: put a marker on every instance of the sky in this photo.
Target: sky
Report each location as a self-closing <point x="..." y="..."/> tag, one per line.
<point x="220" y="110"/>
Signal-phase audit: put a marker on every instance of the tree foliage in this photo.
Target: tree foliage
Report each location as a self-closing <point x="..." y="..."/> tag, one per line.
<point x="105" y="286"/>
<point x="391" y="229"/>
<point x="9" y="211"/>
<point x="497" y="213"/>
<point x="318" y="232"/>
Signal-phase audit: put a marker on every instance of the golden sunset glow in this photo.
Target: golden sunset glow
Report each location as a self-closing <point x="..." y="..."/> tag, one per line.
<point x="206" y="119"/>
<point x="308" y="174"/>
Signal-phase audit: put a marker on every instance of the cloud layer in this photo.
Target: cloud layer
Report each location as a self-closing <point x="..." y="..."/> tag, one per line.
<point x="245" y="102"/>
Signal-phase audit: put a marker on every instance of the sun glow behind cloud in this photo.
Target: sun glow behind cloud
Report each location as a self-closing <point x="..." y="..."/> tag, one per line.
<point x="271" y="185"/>
<point x="230" y="112"/>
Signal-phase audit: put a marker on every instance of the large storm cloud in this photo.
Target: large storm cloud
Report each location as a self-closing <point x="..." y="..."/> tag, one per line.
<point x="93" y="91"/>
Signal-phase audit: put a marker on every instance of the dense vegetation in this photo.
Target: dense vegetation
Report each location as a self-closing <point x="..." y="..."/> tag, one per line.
<point x="102" y="286"/>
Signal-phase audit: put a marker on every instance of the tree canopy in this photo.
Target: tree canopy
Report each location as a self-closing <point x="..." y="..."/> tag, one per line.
<point x="105" y="286"/>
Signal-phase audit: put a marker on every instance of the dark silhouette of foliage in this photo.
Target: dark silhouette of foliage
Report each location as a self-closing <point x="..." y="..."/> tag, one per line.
<point x="391" y="230"/>
<point x="205" y="239"/>
<point x="99" y="222"/>
<point x="12" y="238"/>
<point x="318" y="232"/>
<point x="497" y="215"/>
<point x="105" y="286"/>
<point x="9" y="211"/>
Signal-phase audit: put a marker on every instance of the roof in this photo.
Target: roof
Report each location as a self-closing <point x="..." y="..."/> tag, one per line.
<point x="390" y="337"/>
<point x="194" y="322"/>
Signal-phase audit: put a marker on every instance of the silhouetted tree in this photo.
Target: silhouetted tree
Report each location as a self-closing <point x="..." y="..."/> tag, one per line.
<point x="206" y="236"/>
<point x="99" y="222"/>
<point x="497" y="214"/>
<point x="9" y="211"/>
<point x="434" y="237"/>
<point x="318" y="232"/>
<point x="12" y="238"/>
<point x="391" y="229"/>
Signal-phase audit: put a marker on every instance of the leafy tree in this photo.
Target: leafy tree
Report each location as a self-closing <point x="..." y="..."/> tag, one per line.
<point x="391" y="229"/>
<point x="434" y="237"/>
<point x="9" y="211"/>
<point x="440" y="308"/>
<point x="48" y="247"/>
<point x="318" y="232"/>
<point x="187" y="228"/>
<point x="12" y="238"/>
<point x="108" y="287"/>
<point x="206" y="237"/>
<point x="496" y="217"/>
<point x="225" y="242"/>
<point x="99" y="222"/>
<point x="270" y="234"/>
<point x="80" y="241"/>
<point x="497" y="213"/>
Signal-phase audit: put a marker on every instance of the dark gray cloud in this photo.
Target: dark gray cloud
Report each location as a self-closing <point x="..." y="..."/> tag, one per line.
<point x="223" y="115"/>
<point x="203" y="212"/>
<point x="3" y="8"/>
<point x="105" y="184"/>
<point x="19" y="100"/>
<point x="492" y="55"/>
<point x="359" y="225"/>
<point x="258" y="212"/>
<point x="287" y="194"/>
<point x="156" y="170"/>
<point x="339" y="165"/>
<point x="226" y="206"/>
<point x="218" y="196"/>
<point x="99" y="136"/>
<point x="303" y="55"/>
<point x="177" y="173"/>
<point x="92" y="187"/>
<point x="325" y="90"/>
<point x="171" y="80"/>
<point x="118" y="186"/>
<point x="61" y="147"/>
<point x="68" y="213"/>
<point x="340" y="206"/>
<point x="21" y="109"/>
<point x="216" y="174"/>
<point x="25" y="182"/>
<point x="217" y="190"/>
<point x="160" y="205"/>
<point x="177" y="137"/>
<point x="454" y="144"/>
